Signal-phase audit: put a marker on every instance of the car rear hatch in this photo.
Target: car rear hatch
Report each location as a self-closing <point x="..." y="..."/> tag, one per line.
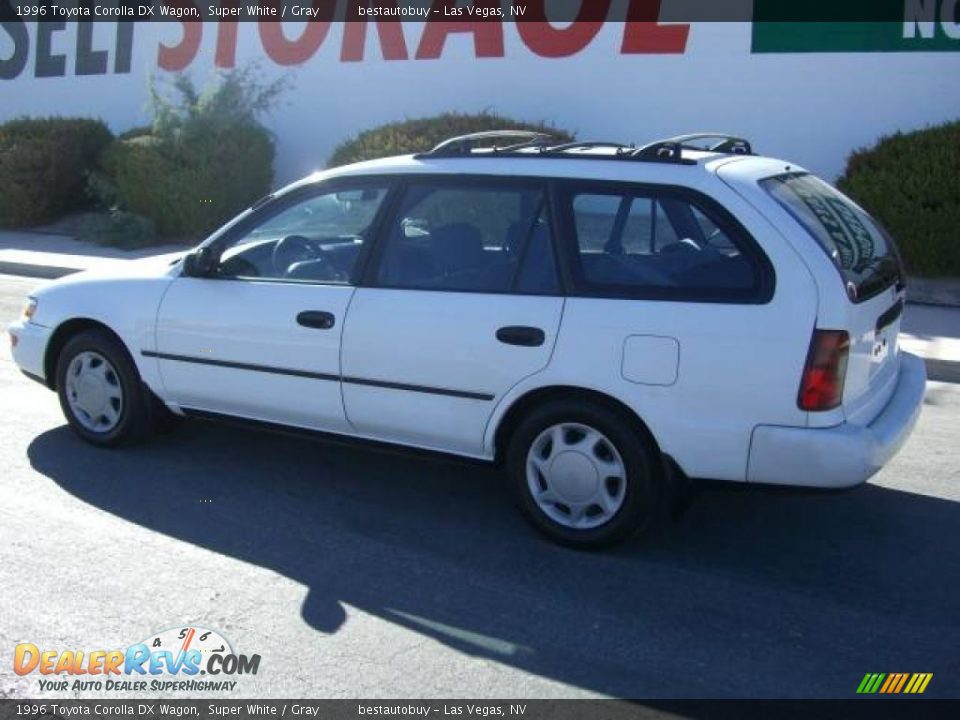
<point x="870" y="274"/>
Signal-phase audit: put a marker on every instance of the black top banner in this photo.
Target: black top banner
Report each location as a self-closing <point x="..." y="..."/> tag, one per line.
<point x="943" y="12"/>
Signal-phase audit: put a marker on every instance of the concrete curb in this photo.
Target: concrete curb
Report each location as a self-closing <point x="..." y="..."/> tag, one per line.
<point x="45" y="272"/>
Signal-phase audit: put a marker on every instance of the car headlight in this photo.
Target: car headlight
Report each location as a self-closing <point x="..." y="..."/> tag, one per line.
<point x="30" y="309"/>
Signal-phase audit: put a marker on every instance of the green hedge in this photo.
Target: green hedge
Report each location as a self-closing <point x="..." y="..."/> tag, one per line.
<point x="188" y="188"/>
<point x="411" y="136"/>
<point x="44" y="164"/>
<point x="911" y="183"/>
<point x="204" y="158"/>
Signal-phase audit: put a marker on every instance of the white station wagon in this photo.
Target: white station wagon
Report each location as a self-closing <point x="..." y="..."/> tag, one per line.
<point x="605" y="321"/>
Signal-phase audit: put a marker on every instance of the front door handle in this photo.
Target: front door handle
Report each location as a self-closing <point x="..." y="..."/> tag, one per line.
<point x="521" y="335"/>
<point x="316" y="319"/>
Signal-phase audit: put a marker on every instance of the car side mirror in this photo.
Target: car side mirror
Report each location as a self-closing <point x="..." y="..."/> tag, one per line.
<point x="200" y="262"/>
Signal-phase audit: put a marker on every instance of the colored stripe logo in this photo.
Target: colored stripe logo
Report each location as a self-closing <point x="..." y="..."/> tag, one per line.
<point x="894" y="683"/>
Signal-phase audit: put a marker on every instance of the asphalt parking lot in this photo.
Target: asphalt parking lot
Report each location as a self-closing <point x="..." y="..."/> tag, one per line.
<point x="359" y="573"/>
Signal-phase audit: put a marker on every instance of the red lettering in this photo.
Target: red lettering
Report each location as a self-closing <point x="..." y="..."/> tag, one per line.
<point x="296" y="52"/>
<point x="487" y="34"/>
<point x="177" y="57"/>
<point x="355" y="34"/>
<point x="545" y="40"/>
<point x="226" y="53"/>
<point x="642" y="34"/>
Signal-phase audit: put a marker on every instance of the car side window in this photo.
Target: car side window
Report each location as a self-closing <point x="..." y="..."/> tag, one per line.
<point x="470" y="237"/>
<point x="316" y="239"/>
<point x="665" y="244"/>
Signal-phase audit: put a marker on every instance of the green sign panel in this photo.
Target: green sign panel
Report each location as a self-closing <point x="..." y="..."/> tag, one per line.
<point x="877" y="26"/>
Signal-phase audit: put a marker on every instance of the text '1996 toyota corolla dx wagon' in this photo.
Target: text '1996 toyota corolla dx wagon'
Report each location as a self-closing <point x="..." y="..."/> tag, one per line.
<point x="602" y="320"/>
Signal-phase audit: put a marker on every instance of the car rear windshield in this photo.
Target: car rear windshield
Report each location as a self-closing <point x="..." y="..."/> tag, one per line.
<point x="862" y="251"/>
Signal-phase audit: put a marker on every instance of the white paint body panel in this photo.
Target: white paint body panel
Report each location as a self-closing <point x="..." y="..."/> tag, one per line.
<point x="442" y="340"/>
<point x="253" y="323"/>
<point x="124" y="300"/>
<point x="847" y="454"/>
<point x="31" y="345"/>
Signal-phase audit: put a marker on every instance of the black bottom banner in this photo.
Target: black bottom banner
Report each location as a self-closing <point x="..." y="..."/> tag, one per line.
<point x="876" y="709"/>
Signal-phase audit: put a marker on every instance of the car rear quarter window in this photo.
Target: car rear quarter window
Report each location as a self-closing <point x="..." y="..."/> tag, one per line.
<point x="640" y="242"/>
<point x="863" y="253"/>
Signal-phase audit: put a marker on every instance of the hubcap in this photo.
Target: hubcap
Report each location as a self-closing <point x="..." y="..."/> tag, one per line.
<point x="94" y="392"/>
<point x="576" y="476"/>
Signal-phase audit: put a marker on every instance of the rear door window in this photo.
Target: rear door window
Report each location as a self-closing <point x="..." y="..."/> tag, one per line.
<point x="470" y="236"/>
<point x="863" y="253"/>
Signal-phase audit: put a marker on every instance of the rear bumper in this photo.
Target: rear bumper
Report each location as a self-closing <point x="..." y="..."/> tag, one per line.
<point x="845" y="455"/>
<point x="30" y="348"/>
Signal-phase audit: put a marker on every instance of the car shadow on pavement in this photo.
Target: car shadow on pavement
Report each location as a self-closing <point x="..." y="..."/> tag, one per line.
<point x="750" y="593"/>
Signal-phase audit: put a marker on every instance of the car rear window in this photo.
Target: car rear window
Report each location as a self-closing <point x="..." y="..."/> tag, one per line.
<point x="650" y="242"/>
<point x="862" y="251"/>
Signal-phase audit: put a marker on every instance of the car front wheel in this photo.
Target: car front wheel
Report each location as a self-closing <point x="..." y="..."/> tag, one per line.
<point x="100" y="390"/>
<point x="583" y="474"/>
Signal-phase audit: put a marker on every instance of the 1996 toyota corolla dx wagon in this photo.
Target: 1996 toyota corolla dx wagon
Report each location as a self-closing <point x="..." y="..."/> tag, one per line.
<point x="599" y="318"/>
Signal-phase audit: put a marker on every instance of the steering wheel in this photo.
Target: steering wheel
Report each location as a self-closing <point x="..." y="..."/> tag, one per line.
<point x="290" y="250"/>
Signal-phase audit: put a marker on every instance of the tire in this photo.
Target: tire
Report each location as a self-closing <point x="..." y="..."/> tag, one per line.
<point x="563" y="449"/>
<point x="101" y="393"/>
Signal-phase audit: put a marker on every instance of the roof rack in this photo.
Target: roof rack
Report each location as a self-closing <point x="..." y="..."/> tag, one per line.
<point x="464" y="144"/>
<point x="538" y="144"/>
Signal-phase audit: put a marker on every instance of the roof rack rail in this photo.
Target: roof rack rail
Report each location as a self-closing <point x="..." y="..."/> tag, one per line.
<point x="587" y="145"/>
<point x="671" y="148"/>
<point x="542" y="142"/>
<point x="464" y="144"/>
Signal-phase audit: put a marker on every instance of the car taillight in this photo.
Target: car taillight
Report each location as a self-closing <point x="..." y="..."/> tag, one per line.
<point x="821" y="387"/>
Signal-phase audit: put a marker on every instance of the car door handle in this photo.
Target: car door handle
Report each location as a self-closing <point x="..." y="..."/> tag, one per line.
<point x="316" y="319"/>
<point x="521" y="335"/>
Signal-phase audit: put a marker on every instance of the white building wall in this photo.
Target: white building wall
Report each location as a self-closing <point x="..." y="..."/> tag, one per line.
<point x="810" y="108"/>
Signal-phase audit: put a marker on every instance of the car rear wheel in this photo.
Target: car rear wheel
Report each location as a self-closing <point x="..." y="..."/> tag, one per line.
<point x="100" y="390"/>
<point x="583" y="474"/>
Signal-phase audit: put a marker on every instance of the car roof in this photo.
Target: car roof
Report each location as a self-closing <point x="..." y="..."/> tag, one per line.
<point x="687" y="167"/>
<point x="596" y="164"/>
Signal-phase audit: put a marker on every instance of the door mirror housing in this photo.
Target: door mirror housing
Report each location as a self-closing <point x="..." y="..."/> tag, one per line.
<point x="199" y="263"/>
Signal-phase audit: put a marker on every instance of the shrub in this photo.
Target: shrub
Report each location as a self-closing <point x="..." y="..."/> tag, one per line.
<point x="44" y="164"/>
<point x="118" y="228"/>
<point x="205" y="158"/>
<point x="411" y="136"/>
<point x="911" y="184"/>
<point x="190" y="188"/>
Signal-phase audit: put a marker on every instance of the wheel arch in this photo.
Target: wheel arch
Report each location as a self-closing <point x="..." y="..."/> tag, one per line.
<point x="62" y="335"/>
<point x="531" y="399"/>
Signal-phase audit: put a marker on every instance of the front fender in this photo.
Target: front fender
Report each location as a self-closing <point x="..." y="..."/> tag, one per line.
<point x="125" y="305"/>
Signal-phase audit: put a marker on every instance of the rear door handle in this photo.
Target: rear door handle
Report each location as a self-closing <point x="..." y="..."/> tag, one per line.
<point x="316" y="319"/>
<point x="521" y="335"/>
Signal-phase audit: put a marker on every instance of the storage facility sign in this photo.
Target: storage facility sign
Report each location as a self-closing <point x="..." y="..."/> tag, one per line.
<point x="880" y="26"/>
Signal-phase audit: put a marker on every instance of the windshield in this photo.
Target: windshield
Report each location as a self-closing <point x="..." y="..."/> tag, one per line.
<point x="862" y="251"/>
